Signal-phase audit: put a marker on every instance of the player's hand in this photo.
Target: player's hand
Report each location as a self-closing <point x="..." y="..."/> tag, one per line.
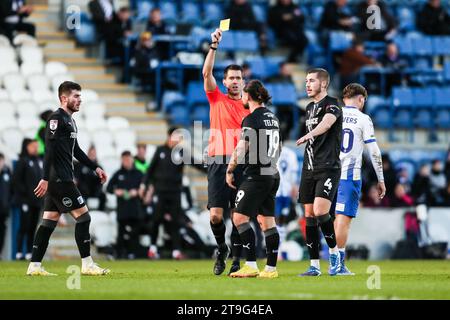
<point x="304" y="139"/>
<point x="119" y="192"/>
<point x="230" y="180"/>
<point x="41" y="188"/>
<point x="101" y="174"/>
<point x="133" y="193"/>
<point x="216" y="36"/>
<point x="381" y="190"/>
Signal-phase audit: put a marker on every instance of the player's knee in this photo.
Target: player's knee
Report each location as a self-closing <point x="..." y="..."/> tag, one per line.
<point x="239" y="219"/>
<point x="85" y="217"/>
<point x="49" y="223"/>
<point x="216" y="215"/>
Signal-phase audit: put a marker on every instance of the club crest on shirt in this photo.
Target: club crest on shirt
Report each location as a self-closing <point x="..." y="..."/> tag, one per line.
<point x="53" y="124"/>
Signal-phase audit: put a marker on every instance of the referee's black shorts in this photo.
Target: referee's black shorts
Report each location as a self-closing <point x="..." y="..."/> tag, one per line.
<point x="63" y="197"/>
<point x="318" y="183"/>
<point x="220" y="195"/>
<point x="256" y="196"/>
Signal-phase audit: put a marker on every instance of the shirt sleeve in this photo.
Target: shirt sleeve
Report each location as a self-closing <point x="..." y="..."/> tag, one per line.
<point x="334" y="110"/>
<point x="214" y="95"/>
<point x="52" y="133"/>
<point x="368" y="131"/>
<point x="247" y="128"/>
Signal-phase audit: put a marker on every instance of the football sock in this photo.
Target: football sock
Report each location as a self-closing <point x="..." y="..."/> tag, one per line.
<point x="248" y="241"/>
<point x="218" y="230"/>
<point x="236" y="245"/>
<point x="272" y="243"/>
<point x="82" y="236"/>
<point x="312" y="238"/>
<point x="326" y="224"/>
<point x="41" y="239"/>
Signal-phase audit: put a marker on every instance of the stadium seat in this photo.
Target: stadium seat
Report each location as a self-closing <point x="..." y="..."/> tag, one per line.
<point x="383" y="119"/>
<point x="93" y="110"/>
<point x="441" y="97"/>
<point x="443" y="119"/>
<point x="423" y="97"/>
<point x="110" y="165"/>
<point x="86" y="34"/>
<point x="168" y="11"/>
<point x="407" y="19"/>
<point x="7" y="109"/>
<point x="94" y="124"/>
<point x="47" y="105"/>
<point x="27" y="109"/>
<point x="284" y="94"/>
<point x="143" y="9"/>
<point x="102" y="137"/>
<point x="340" y="40"/>
<point x="28" y="124"/>
<point x="14" y="81"/>
<point x="422" y="46"/>
<point x="316" y="15"/>
<point x="88" y="95"/>
<point x="260" y="12"/>
<point x="29" y="68"/>
<point x="8" y="67"/>
<point x="124" y="138"/>
<point x="191" y="12"/>
<point x="31" y="55"/>
<point x="447" y="71"/>
<point x="246" y="41"/>
<point x="179" y="115"/>
<point x="213" y="12"/>
<point x="25" y="40"/>
<point x="169" y="98"/>
<point x="424" y="119"/>
<point x="195" y="94"/>
<point x="20" y="95"/>
<point x="403" y="119"/>
<point x="200" y="113"/>
<point x="375" y="103"/>
<point x="54" y="68"/>
<point x="12" y="138"/>
<point x="441" y="45"/>
<point x="117" y="123"/>
<point x="228" y="43"/>
<point x="402" y="97"/>
<point x="4" y="41"/>
<point x="40" y="96"/>
<point x="405" y="46"/>
<point x="38" y="82"/>
<point x="84" y="139"/>
<point x="4" y="95"/>
<point x="8" y="121"/>
<point x="7" y="55"/>
<point x="60" y="78"/>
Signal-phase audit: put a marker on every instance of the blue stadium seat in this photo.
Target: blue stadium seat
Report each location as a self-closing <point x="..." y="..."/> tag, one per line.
<point x="422" y="46"/>
<point x="402" y="97"/>
<point x="316" y="15"/>
<point x="403" y="119"/>
<point x="405" y="46"/>
<point x="375" y="103"/>
<point x="170" y="98"/>
<point x="284" y="94"/>
<point x="86" y="34"/>
<point x="443" y="119"/>
<point x="191" y="12"/>
<point x="423" y="97"/>
<point x="179" y="115"/>
<point x="143" y="9"/>
<point x="447" y="71"/>
<point x="200" y="113"/>
<point x="260" y="12"/>
<point x="441" y="45"/>
<point x="424" y="119"/>
<point x="246" y="41"/>
<point x="227" y="43"/>
<point x="195" y="94"/>
<point x="340" y="40"/>
<point x="407" y="18"/>
<point x="168" y="11"/>
<point x="383" y="118"/>
<point x="213" y="13"/>
<point x="441" y="97"/>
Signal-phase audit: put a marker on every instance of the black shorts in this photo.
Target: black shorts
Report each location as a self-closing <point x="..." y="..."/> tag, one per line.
<point x="257" y="196"/>
<point x="220" y="195"/>
<point x="63" y="197"/>
<point x="320" y="183"/>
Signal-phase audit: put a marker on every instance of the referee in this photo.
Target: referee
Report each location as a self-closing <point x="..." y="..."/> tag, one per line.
<point x="58" y="187"/>
<point x="226" y="114"/>
<point x="321" y="168"/>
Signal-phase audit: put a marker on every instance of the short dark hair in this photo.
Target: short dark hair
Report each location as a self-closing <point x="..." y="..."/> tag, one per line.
<point x="322" y="74"/>
<point x="257" y="91"/>
<point x="172" y="130"/>
<point x="126" y="153"/>
<point x="353" y="90"/>
<point x="234" y="67"/>
<point x="67" y="87"/>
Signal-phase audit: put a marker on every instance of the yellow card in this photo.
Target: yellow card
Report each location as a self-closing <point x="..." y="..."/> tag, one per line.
<point x="225" y="25"/>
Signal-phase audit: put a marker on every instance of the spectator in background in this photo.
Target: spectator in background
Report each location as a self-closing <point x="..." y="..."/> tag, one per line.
<point x="88" y="182"/>
<point x="139" y="159"/>
<point x="391" y="59"/>
<point x="102" y="12"/>
<point x="388" y="24"/>
<point x="156" y="26"/>
<point x="401" y="198"/>
<point x="433" y="19"/>
<point x="5" y="198"/>
<point x="146" y="57"/>
<point x="27" y="174"/>
<point x="243" y="18"/>
<point x="404" y="178"/>
<point x="125" y="185"/>
<point x="337" y="16"/>
<point x="119" y="30"/>
<point x="352" y="60"/>
<point x="40" y="134"/>
<point x="287" y="20"/>
<point x="12" y="13"/>
<point x="390" y="176"/>
<point x="421" y="185"/>
<point x="247" y="72"/>
<point x="447" y="196"/>
<point x="447" y="167"/>
<point x="438" y="182"/>
<point x="372" y="198"/>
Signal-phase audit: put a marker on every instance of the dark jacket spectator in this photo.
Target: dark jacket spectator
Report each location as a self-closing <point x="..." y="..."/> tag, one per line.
<point x="146" y="57"/>
<point x="447" y="167"/>
<point x="102" y="12"/>
<point x="438" y="182"/>
<point x="387" y="25"/>
<point x="140" y="162"/>
<point x="29" y="171"/>
<point x="5" y="197"/>
<point x="12" y="13"/>
<point x="433" y="19"/>
<point x="421" y="185"/>
<point x="88" y="182"/>
<point x="155" y="24"/>
<point x="288" y="20"/>
<point x="337" y="16"/>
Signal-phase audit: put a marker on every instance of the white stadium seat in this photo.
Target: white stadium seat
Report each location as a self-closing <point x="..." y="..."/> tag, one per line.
<point x="4" y="41"/>
<point x="31" y="54"/>
<point x="94" y="124"/>
<point x="8" y="121"/>
<point x="25" y="40"/>
<point x="7" y="55"/>
<point x="20" y="95"/>
<point x="117" y="123"/>
<point x="88" y="96"/>
<point x="60" y="78"/>
<point x="102" y="137"/>
<point x="27" y="109"/>
<point x="13" y="81"/>
<point x="4" y="95"/>
<point x="26" y="124"/>
<point x="12" y="137"/>
<point x="11" y="67"/>
<point x="110" y="164"/>
<point x="125" y="138"/>
<point x="84" y="140"/>
<point x="105" y="151"/>
<point x="29" y="68"/>
<point x="40" y="96"/>
<point x="54" y="68"/>
<point x="38" y="82"/>
<point x="48" y="105"/>
<point x="93" y="110"/>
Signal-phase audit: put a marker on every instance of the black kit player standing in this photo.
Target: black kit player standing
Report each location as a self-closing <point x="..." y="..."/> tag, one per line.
<point x="321" y="168"/>
<point x="259" y="149"/>
<point x="58" y="187"/>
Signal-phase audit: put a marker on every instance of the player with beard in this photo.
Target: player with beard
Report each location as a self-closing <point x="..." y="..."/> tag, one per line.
<point x="58" y="187"/>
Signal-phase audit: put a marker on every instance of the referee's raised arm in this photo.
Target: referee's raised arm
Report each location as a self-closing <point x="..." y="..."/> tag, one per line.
<point x="208" y="78"/>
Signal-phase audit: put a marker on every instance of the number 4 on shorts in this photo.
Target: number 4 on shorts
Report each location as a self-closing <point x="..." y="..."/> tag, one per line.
<point x="328" y="184"/>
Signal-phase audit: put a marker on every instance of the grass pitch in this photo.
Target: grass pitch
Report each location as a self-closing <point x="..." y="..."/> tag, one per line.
<point x="195" y="280"/>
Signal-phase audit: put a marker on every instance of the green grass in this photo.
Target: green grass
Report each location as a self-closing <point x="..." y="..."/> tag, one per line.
<point x="194" y="280"/>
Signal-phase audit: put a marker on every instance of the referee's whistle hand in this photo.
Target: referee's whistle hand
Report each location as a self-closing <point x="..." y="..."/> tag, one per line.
<point x="41" y="189"/>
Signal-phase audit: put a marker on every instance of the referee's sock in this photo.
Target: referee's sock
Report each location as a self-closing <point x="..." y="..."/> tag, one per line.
<point x="327" y="226"/>
<point x="313" y="241"/>
<point x="272" y="242"/>
<point x="218" y="230"/>
<point x="82" y="236"/>
<point x="41" y="239"/>
<point x="236" y="245"/>
<point x="248" y="241"/>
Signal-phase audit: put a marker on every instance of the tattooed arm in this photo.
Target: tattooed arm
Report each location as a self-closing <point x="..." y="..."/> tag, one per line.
<point x="236" y="158"/>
